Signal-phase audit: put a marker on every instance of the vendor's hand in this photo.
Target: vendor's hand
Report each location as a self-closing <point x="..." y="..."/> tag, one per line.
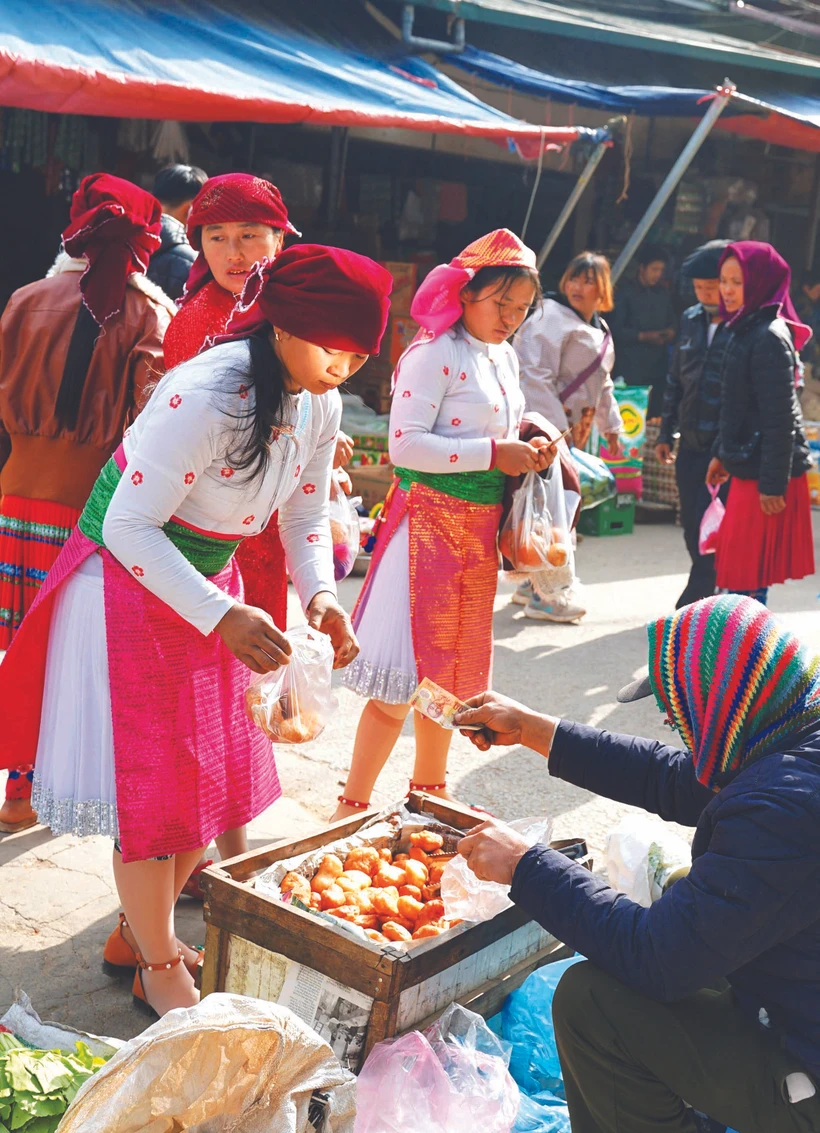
<point x="772" y="505"/>
<point x="325" y="614"/>
<point x="664" y="453"/>
<point x="613" y="443"/>
<point x="716" y="473"/>
<point x="516" y="457"/>
<point x="344" y="449"/>
<point x="493" y="850"/>
<point x="503" y="721"/>
<point x="253" y="639"/>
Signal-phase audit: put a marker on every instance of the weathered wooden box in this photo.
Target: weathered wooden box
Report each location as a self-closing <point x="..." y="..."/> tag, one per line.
<point x="354" y="993"/>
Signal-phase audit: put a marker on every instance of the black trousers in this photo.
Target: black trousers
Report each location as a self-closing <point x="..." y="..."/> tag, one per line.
<point x="690" y="472"/>
<point x="633" y="1065"/>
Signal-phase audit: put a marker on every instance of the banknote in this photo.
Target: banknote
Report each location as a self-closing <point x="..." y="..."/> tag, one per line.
<point x="438" y="705"/>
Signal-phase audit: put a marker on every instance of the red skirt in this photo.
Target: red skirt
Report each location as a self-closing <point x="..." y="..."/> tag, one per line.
<point x="32" y="533"/>
<point x="264" y="572"/>
<point x="756" y="550"/>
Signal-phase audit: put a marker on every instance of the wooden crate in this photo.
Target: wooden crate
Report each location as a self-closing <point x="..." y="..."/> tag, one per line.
<point x="251" y="939"/>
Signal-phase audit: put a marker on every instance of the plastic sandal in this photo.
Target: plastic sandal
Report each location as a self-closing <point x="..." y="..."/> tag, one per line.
<point x="138" y="988"/>
<point x="120" y="959"/>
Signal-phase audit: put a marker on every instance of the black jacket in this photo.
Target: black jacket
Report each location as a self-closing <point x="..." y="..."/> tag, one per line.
<point x="761" y="427"/>
<point x="639" y="308"/>
<point x="691" y="403"/>
<point x="172" y="261"/>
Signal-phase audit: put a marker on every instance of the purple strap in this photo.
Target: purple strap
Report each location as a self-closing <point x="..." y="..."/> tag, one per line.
<point x="576" y="383"/>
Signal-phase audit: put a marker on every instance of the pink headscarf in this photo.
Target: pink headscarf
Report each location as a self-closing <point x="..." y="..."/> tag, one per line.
<point x="766" y="282"/>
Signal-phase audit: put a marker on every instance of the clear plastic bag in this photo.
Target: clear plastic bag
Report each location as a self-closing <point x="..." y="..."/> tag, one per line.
<point x="453" y="1077"/>
<point x="344" y="529"/>
<point x="642" y="853"/>
<point x="468" y="899"/>
<point x="536" y="534"/>
<point x="710" y="524"/>
<point x="292" y="705"/>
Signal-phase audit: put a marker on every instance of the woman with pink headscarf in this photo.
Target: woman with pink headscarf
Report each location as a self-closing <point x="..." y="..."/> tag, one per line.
<point x="766" y="535"/>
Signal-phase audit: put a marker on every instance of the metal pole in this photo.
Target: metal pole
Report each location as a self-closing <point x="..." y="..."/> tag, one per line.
<point x="719" y="104"/>
<point x="572" y="199"/>
<point x="811" y="242"/>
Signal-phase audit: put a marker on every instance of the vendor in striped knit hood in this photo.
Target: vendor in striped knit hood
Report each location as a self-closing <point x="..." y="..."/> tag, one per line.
<point x="709" y="999"/>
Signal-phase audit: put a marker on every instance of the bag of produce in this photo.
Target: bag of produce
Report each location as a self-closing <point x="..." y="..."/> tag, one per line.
<point x="292" y="705"/>
<point x="344" y="529"/>
<point x="536" y="534"/>
<point x="597" y="480"/>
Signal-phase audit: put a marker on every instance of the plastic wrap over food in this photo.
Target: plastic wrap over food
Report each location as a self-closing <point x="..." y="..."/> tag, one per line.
<point x="293" y="704"/>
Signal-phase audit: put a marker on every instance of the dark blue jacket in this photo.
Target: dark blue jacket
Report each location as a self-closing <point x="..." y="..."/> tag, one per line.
<point x="691" y="399"/>
<point x="748" y="911"/>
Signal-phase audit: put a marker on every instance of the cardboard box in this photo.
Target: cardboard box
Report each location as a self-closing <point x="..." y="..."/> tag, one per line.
<point x="371" y="482"/>
<point x="404" y="285"/>
<point x="401" y="331"/>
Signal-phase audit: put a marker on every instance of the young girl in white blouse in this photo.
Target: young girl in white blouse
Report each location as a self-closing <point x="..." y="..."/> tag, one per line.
<point x="426" y="605"/>
<point x="125" y="684"/>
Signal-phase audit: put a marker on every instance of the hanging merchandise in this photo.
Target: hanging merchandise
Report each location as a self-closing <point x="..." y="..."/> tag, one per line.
<point x="597" y="480"/>
<point x="170" y="143"/>
<point x="633" y="402"/>
<point x="134" y="134"/>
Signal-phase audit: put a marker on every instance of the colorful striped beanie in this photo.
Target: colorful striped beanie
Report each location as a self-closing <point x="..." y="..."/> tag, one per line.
<point x="732" y="681"/>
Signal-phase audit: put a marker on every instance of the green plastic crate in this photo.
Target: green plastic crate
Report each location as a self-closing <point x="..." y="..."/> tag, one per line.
<point x="613" y="517"/>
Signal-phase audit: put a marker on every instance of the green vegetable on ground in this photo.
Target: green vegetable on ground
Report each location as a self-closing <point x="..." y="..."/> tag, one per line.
<point x="37" y="1086"/>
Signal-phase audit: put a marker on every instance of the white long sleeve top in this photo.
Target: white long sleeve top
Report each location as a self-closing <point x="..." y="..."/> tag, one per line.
<point x="554" y="346"/>
<point x="453" y="396"/>
<point x="178" y="467"/>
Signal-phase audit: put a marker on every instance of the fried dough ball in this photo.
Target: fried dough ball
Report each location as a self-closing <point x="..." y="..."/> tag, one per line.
<point x="367" y="921"/>
<point x="432" y="928"/>
<point x="417" y="872"/>
<point x="352" y="880"/>
<point x="393" y="931"/>
<point x="386" y="856"/>
<point x="297" y="885"/>
<point x="376" y="936"/>
<point x="426" y="840"/>
<point x="386" y="902"/>
<point x="401" y="859"/>
<point x="389" y="875"/>
<point x="363" y="900"/>
<point x="430" y="892"/>
<point x="418" y="855"/>
<point x="436" y="870"/>
<point x="333" y="898"/>
<point x="410" y="891"/>
<point x="410" y="909"/>
<point x="432" y="911"/>
<point x="345" y="913"/>
<point x="364" y="858"/>
<point x="316" y="900"/>
<point x="329" y="869"/>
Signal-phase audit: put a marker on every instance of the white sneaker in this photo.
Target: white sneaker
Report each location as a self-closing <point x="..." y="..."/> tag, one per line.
<point x="523" y="594"/>
<point x="560" y="607"/>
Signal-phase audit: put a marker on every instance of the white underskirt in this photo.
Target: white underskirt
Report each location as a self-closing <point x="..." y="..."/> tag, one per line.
<point x="74" y="782"/>
<point x="385" y="669"/>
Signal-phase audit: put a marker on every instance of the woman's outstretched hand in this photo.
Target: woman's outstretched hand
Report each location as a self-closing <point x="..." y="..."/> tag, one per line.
<point x="249" y="633"/>
<point x="325" y="614"/>
<point x="505" y="723"/>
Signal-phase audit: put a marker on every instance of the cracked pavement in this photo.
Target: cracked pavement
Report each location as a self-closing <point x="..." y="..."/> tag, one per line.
<point x="57" y="897"/>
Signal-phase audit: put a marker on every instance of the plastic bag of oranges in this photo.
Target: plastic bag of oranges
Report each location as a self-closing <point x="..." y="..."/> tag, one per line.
<point x="536" y="535"/>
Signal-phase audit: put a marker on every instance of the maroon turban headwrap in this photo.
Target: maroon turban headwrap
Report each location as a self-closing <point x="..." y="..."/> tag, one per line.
<point x="115" y="225"/>
<point x="328" y="296"/>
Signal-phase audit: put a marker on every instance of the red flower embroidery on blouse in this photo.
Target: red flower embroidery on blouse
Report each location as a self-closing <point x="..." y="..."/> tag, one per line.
<point x="406" y="393"/>
<point x="226" y="472"/>
<point x="137" y="478"/>
<point x="463" y="376"/>
<point x="248" y="520"/>
<point x="456" y="421"/>
<point x="503" y="392"/>
<point x="397" y="433"/>
<point x="298" y="471"/>
<point x="243" y="392"/>
<point x="495" y="409"/>
<point x="453" y="458"/>
<point x="308" y="489"/>
<point x="138" y="571"/>
<point x="189" y="477"/>
<point x="446" y="371"/>
<point x="313" y="538"/>
<point x="175" y="401"/>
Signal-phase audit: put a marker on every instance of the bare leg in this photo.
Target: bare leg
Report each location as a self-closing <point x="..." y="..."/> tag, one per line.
<point x="379" y="727"/>
<point x="232" y="843"/>
<point x="147" y="892"/>
<point x="432" y="749"/>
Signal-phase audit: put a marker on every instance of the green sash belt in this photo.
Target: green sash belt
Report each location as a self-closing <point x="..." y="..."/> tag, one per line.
<point x="207" y="553"/>
<point x="476" y="487"/>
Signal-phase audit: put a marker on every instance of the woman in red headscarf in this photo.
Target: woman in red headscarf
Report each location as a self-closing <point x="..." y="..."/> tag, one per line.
<point x="766" y="534"/>
<point x="125" y="686"/>
<point x="426" y="605"/>
<point x="77" y="350"/>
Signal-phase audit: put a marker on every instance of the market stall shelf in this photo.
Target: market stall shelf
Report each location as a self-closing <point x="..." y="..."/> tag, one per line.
<point x="354" y="992"/>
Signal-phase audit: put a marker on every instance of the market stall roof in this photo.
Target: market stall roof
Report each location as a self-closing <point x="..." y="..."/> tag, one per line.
<point x="206" y="61"/>
<point x="590" y="23"/>
<point x="784" y="118"/>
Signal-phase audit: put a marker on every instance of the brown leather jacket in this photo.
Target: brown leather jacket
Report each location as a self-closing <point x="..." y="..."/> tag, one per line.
<point x="39" y="459"/>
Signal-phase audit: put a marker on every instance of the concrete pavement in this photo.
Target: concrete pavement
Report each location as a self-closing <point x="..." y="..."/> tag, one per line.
<point x="57" y="898"/>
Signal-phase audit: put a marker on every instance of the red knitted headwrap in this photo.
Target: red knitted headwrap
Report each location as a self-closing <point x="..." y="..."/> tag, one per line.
<point x="115" y="225"/>
<point x="328" y="296"/>
<point x="239" y="197"/>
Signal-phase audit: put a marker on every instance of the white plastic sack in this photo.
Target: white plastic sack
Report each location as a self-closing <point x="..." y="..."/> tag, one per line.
<point x="641" y="855"/>
<point x="468" y="899"/>
<point x="229" y="1065"/>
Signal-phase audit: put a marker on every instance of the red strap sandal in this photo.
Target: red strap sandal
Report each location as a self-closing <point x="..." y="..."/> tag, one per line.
<point x="353" y="802"/>
<point x="138" y="989"/>
<point x="192" y="888"/>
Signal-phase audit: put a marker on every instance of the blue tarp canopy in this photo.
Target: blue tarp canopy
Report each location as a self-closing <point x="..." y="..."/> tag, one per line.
<point x="783" y="118"/>
<point x="212" y="60"/>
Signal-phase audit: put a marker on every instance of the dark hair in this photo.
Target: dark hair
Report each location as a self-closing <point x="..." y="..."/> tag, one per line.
<point x="650" y="254"/>
<point x="505" y="277"/>
<point x="591" y="264"/>
<point x="177" y="183"/>
<point x="80" y="349"/>
<point x="264" y="376"/>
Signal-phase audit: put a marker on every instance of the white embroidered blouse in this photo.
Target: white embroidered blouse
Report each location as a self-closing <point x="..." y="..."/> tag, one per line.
<point x="178" y="467"/>
<point x="454" y="395"/>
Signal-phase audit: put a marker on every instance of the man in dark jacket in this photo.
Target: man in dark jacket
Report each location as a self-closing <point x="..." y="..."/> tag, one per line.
<point x="691" y="407"/>
<point x="708" y="1000"/>
<point x="643" y="326"/>
<point x="175" y="188"/>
